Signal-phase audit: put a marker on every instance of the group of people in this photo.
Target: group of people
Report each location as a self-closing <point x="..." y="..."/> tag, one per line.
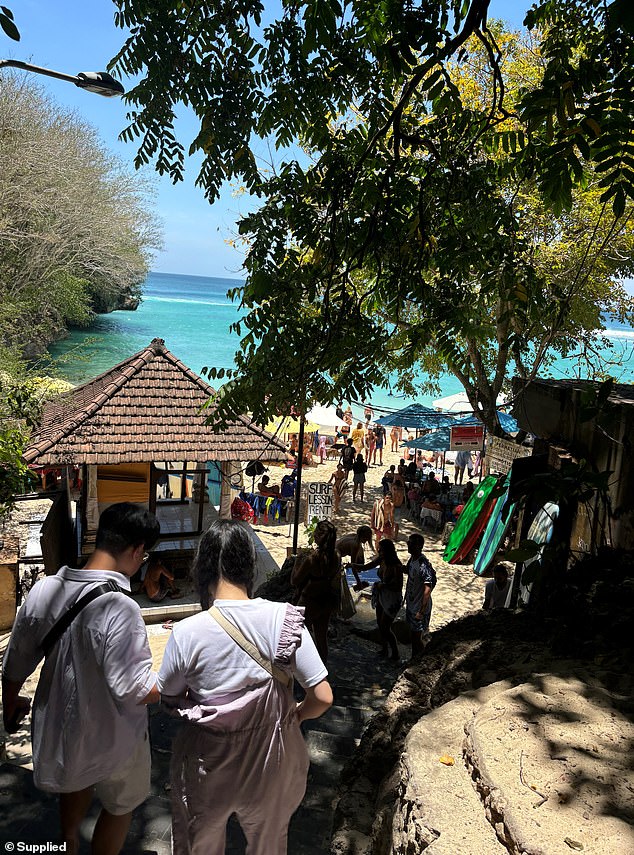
<point x="317" y="577"/>
<point x="227" y="672"/>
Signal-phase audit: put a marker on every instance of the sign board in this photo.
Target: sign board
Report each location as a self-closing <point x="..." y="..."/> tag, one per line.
<point x="466" y="438"/>
<point x="320" y="501"/>
<point x="501" y="453"/>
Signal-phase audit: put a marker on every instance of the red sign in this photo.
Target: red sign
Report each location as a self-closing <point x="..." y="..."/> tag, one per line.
<point x="466" y="438"/>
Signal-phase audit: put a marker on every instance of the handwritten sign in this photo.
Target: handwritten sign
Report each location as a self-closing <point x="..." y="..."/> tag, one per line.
<point x="319" y="501"/>
<point x="501" y="453"/>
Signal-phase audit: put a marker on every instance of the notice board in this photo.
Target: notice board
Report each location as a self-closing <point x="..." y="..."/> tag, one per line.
<point x="466" y="438"/>
<point x="320" y="501"/>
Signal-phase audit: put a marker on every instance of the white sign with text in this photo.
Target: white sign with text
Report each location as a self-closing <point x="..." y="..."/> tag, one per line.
<point x="320" y="501"/>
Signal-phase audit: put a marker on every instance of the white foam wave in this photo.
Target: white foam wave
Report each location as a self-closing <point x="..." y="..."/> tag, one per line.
<point x="617" y="334"/>
<point x="151" y="299"/>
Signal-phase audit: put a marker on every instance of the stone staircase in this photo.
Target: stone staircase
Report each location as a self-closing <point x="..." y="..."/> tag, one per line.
<point x="361" y="681"/>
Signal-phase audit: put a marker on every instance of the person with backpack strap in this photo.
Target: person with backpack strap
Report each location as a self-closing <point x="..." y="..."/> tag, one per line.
<point x="89" y="722"/>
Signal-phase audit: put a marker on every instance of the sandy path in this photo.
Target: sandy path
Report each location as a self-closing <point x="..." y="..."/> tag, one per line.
<point x="458" y="590"/>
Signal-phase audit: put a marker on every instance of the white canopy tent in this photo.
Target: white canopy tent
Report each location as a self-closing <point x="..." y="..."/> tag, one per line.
<point x="459" y="403"/>
<point x="327" y="418"/>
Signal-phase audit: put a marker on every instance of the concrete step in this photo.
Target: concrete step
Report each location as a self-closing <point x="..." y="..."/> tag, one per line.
<point x="329" y="743"/>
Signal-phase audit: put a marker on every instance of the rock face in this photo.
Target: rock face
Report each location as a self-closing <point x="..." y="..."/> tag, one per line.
<point x="465" y="655"/>
<point x="541" y="744"/>
<point x="438" y="808"/>
<point x="551" y="759"/>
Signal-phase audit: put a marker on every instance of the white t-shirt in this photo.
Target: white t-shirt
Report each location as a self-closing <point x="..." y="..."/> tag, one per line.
<point x="202" y="657"/>
<point x="494" y="597"/>
<point x="87" y="719"/>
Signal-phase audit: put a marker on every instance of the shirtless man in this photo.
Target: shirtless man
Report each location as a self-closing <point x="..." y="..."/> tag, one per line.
<point x="265" y="490"/>
<point x="352" y="545"/>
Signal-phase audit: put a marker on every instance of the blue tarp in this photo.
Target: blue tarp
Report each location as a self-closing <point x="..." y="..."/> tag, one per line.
<point x="416" y="416"/>
<point x="439" y="440"/>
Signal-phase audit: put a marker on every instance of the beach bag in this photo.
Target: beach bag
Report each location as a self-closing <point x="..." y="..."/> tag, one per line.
<point x="347" y="607"/>
<point x="241" y="510"/>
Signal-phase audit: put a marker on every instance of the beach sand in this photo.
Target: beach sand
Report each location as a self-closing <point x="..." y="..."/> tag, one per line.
<point x="458" y="591"/>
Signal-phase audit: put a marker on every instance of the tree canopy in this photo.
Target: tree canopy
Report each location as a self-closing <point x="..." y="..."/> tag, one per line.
<point x="75" y="228"/>
<point x="406" y="238"/>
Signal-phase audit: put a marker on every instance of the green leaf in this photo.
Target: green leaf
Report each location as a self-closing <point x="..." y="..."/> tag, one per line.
<point x="9" y="27"/>
<point x="526" y="550"/>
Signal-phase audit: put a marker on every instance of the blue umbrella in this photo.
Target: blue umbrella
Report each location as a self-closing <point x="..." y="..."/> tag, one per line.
<point x="416" y="416"/>
<point x="440" y="440"/>
<point x="437" y="440"/>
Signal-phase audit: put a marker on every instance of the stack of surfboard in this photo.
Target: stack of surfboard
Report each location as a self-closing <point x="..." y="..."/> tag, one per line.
<point x="486" y="516"/>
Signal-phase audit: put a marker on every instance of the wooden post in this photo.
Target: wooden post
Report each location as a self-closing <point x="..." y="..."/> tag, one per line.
<point x="298" y="488"/>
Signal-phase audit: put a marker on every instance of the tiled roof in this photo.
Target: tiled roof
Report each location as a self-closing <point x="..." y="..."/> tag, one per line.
<point x="146" y="408"/>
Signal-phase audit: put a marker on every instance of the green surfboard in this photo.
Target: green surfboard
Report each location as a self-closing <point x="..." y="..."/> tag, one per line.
<point x="473" y="516"/>
<point x="493" y="533"/>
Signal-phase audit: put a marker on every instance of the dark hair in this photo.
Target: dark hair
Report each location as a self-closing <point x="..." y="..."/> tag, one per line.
<point x="387" y="551"/>
<point x="225" y="551"/>
<point x="349" y="442"/>
<point x="501" y="568"/>
<point x="325" y="537"/>
<point x="417" y="538"/>
<point x="125" y="524"/>
<point x="364" y="532"/>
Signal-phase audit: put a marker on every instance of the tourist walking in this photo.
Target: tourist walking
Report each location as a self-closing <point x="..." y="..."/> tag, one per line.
<point x="379" y="432"/>
<point x="89" y="724"/>
<point x="463" y="460"/>
<point x="359" y="470"/>
<point x="348" y="456"/>
<point x="358" y="437"/>
<point x="387" y="595"/>
<point x="395" y="435"/>
<point x="370" y="445"/>
<point x="382" y="520"/>
<point x="229" y="671"/>
<point x="398" y="489"/>
<point x="338" y="479"/>
<point x="316" y="577"/>
<point x="421" y="581"/>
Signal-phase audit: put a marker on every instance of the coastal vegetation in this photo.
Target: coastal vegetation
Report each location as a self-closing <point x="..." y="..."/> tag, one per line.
<point x="462" y="197"/>
<point x="76" y="232"/>
<point x="76" y="235"/>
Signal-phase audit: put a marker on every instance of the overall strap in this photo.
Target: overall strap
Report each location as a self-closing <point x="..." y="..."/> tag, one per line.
<point x="55" y="633"/>
<point x="249" y="647"/>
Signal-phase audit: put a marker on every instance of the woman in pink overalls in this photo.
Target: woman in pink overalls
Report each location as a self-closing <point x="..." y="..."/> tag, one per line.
<point x="241" y="750"/>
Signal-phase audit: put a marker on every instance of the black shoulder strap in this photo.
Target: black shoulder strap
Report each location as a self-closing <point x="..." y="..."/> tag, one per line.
<point x="55" y="633"/>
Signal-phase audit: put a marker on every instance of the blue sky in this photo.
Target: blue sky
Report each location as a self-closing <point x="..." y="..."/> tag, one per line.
<point x="80" y="35"/>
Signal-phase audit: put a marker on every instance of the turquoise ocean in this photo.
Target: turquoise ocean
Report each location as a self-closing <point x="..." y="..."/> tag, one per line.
<point x="193" y="315"/>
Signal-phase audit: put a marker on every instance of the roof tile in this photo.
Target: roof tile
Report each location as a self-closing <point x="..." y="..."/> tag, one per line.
<point x="146" y="408"/>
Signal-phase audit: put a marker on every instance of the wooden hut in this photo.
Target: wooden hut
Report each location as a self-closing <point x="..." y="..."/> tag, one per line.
<point x="138" y="432"/>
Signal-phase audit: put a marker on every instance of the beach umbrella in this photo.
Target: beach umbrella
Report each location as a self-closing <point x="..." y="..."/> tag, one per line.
<point x="325" y="418"/>
<point x="416" y="416"/>
<point x="440" y="440"/>
<point x="437" y="440"/>
<point x="289" y="424"/>
<point x="459" y="403"/>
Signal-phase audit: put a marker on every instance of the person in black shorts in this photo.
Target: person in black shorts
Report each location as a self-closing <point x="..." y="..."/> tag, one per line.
<point x="348" y="456"/>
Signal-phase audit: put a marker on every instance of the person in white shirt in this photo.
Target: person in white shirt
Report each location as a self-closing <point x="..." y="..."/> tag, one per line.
<point x="89" y="722"/>
<point x="496" y="589"/>
<point x="229" y="671"/>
